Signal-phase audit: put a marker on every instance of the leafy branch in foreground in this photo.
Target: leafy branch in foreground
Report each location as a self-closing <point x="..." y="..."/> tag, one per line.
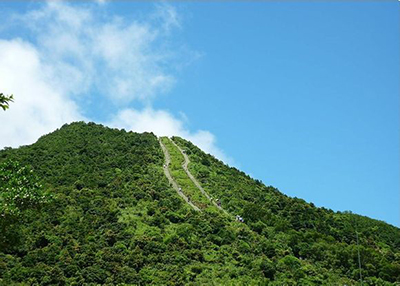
<point x="5" y="101"/>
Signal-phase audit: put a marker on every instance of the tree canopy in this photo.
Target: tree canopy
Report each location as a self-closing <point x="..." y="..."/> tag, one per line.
<point x="114" y="219"/>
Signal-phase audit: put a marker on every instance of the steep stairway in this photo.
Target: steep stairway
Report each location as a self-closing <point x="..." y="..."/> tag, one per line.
<point x="193" y="179"/>
<point x="172" y="182"/>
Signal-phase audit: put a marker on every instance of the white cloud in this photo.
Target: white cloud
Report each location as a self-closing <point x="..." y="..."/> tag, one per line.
<point x="78" y="51"/>
<point x="39" y="107"/>
<point x="101" y="2"/>
<point x="122" y="58"/>
<point x="133" y="70"/>
<point x="163" y="123"/>
<point x="168" y="17"/>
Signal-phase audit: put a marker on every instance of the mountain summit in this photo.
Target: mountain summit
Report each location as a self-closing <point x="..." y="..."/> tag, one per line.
<point x="134" y="209"/>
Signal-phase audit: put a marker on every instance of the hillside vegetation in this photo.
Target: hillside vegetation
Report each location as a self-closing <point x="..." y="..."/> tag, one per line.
<point x="319" y="235"/>
<point x="113" y="219"/>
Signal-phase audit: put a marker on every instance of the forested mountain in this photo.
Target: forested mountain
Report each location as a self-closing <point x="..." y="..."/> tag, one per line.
<point x="111" y="217"/>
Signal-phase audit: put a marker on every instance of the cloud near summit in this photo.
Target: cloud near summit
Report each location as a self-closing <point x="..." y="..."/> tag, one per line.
<point x="66" y="57"/>
<point x="163" y="123"/>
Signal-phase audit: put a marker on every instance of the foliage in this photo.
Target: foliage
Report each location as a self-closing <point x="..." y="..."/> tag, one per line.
<point x="20" y="189"/>
<point x="323" y="238"/>
<point x="5" y="100"/>
<point x="114" y="220"/>
<point x="180" y="176"/>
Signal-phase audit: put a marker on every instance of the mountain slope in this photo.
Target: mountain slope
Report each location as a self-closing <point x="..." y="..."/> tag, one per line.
<point x="317" y="234"/>
<point x="115" y="219"/>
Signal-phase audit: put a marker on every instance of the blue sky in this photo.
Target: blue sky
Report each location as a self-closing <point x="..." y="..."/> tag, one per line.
<point x="304" y="96"/>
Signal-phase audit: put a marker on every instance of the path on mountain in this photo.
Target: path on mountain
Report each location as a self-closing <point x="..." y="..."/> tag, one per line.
<point x="193" y="179"/>
<point x="170" y="179"/>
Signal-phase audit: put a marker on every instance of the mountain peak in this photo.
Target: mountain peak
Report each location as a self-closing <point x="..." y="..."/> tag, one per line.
<point x="132" y="208"/>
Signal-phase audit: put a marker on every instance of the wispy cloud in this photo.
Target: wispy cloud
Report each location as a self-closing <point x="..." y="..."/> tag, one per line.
<point x="80" y="51"/>
<point x="120" y="57"/>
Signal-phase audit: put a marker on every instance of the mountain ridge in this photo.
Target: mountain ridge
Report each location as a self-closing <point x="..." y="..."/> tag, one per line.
<point x="115" y="219"/>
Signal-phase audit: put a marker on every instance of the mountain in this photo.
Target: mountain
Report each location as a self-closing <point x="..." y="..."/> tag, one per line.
<point x="120" y="214"/>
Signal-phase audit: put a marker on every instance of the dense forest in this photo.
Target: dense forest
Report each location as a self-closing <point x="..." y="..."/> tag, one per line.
<point x="90" y="205"/>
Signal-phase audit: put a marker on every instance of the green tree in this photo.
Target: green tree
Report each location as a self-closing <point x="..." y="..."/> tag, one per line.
<point x="5" y="100"/>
